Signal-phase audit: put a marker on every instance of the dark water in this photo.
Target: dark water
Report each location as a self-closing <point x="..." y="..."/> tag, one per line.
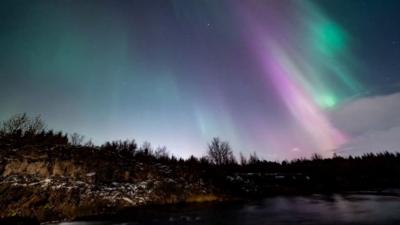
<point x="317" y="209"/>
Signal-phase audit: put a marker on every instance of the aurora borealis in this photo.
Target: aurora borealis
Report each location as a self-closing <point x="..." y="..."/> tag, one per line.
<point x="273" y="76"/>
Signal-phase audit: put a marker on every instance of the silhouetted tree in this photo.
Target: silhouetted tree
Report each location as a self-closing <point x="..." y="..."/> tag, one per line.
<point x="316" y="156"/>
<point x="21" y="124"/>
<point x="220" y="152"/>
<point x="146" y="148"/>
<point x="126" y="148"/>
<point x="243" y="160"/>
<point x="161" y="153"/>
<point x="89" y="144"/>
<point x="254" y="159"/>
<point x="21" y="130"/>
<point x="76" y="139"/>
<point x="193" y="160"/>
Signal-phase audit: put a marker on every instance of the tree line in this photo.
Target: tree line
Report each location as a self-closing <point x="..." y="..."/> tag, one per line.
<point x="21" y="130"/>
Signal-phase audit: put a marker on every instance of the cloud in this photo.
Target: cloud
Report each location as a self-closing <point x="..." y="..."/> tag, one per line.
<point x="373" y="124"/>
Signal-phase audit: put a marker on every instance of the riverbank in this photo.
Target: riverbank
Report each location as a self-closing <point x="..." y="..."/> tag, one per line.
<point x="338" y="209"/>
<point x="145" y="210"/>
<point x="64" y="182"/>
<point x="61" y="184"/>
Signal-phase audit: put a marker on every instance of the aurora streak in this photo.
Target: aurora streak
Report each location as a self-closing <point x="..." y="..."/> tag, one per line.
<point x="304" y="56"/>
<point x="264" y="75"/>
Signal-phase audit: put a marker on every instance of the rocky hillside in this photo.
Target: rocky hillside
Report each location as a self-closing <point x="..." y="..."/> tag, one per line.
<point x="49" y="175"/>
<point x="69" y="182"/>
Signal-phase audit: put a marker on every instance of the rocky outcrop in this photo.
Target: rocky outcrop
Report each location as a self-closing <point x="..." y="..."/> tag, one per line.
<point x="43" y="168"/>
<point x="64" y="184"/>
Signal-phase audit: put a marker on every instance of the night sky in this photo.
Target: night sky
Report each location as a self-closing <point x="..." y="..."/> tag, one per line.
<point x="283" y="78"/>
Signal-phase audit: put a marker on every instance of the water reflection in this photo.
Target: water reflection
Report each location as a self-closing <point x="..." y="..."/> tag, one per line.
<point x="316" y="209"/>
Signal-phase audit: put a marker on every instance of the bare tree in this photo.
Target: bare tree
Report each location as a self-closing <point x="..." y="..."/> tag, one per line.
<point x="146" y="148"/>
<point x="220" y="152"/>
<point x="76" y="139"/>
<point x="89" y="144"/>
<point x="127" y="147"/>
<point x="161" y="152"/>
<point x="243" y="160"/>
<point x="316" y="156"/>
<point x="35" y="125"/>
<point x="22" y="124"/>
<point x="254" y="158"/>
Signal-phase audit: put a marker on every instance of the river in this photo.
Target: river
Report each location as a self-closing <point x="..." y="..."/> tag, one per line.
<point x="315" y="209"/>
